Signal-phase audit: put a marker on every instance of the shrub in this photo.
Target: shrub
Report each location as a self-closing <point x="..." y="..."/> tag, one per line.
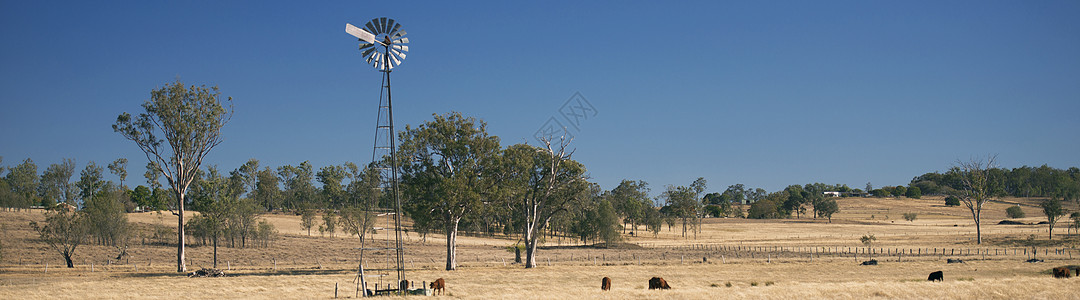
<point x="952" y="201"/>
<point x="727" y="284"/>
<point x="1014" y="212"/>
<point x="910" y="216"/>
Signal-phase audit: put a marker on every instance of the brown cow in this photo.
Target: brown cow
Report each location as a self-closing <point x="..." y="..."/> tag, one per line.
<point x="658" y="283"/>
<point x="438" y="285"/>
<point x="605" y="284"/>
<point x="1062" y="272"/>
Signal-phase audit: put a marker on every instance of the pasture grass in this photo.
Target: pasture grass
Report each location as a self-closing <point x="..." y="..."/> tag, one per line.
<point x="298" y="266"/>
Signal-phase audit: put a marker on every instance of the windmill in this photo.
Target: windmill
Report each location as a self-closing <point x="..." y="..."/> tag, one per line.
<point x="384" y="46"/>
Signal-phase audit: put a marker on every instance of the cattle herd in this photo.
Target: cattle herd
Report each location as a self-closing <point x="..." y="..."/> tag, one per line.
<point x="658" y="283"/>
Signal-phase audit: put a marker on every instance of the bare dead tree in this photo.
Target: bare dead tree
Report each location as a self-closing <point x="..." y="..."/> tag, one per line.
<point x="975" y="190"/>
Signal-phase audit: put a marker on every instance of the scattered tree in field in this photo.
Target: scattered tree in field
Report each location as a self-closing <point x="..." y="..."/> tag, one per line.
<point x="868" y="240"/>
<point x="685" y="204"/>
<point x="630" y="199"/>
<point x="1014" y="212"/>
<point x="826" y="208"/>
<point x="910" y="217"/>
<point x="107" y="220"/>
<point x="356" y="221"/>
<point x="190" y="121"/>
<point x="64" y="231"/>
<point x="307" y="219"/>
<point x="608" y="221"/>
<point x="447" y="167"/>
<point x="975" y="177"/>
<point x="1053" y="211"/>
<point x="330" y="222"/>
<point x="545" y="182"/>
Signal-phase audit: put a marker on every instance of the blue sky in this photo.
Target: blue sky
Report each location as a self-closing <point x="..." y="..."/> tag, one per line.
<point x="764" y="93"/>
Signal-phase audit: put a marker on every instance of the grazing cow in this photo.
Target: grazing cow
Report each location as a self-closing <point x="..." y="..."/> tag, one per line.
<point x="658" y="283"/>
<point x="605" y="284"/>
<point x="1062" y="272"/>
<point x="954" y="261"/>
<point x="936" y="276"/>
<point x="438" y="285"/>
<point x="872" y="262"/>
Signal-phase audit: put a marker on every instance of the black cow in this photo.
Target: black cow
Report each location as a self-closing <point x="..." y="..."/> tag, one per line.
<point x="605" y="284"/>
<point x="936" y="276"/>
<point x="872" y="262"/>
<point x="658" y="283"/>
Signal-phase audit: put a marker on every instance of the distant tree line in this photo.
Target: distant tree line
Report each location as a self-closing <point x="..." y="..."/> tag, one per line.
<point x="1025" y="181"/>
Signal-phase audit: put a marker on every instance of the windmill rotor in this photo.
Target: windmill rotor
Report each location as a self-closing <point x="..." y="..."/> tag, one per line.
<point x="384" y="44"/>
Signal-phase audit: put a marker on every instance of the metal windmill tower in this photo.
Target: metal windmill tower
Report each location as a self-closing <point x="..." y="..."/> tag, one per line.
<point x="384" y="46"/>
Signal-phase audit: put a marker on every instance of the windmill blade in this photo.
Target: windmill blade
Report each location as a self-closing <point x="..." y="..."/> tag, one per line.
<point x="403" y="40"/>
<point x="365" y="46"/>
<point x="398" y="34"/>
<point x="360" y="33"/>
<point x="367" y="52"/>
<point x="382" y="25"/>
<point x="393" y="32"/>
<point x="390" y="24"/>
<point x="371" y="27"/>
<point x="402" y="48"/>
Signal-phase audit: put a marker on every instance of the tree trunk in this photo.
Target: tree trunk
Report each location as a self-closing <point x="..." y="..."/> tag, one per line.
<point x="215" y="251"/>
<point x="180" y="266"/>
<point x="451" y="244"/>
<point x="67" y="257"/>
<point x="531" y="236"/>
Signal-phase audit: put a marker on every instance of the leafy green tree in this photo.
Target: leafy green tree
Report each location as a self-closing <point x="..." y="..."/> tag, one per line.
<point x="91" y="181"/>
<point x="298" y="188"/>
<point x="685" y="204"/>
<point x="768" y="208"/>
<point x="552" y="183"/>
<point x="1014" y="212"/>
<point x="356" y="221"/>
<point x="826" y="208"/>
<point x="266" y="191"/>
<point x="868" y="240"/>
<point x="64" y="231"/>
<point x="447" y="166"/>
<point x="190" y="121"/>
<point x="976" y="189"/>
<point x="797" y="197"/>
<point x="107" y="220"/>
<point x="630" y="200"/>
<point x="332" y="190"/>
<point x="914" y="192"/>
<point x="910" y="216"/>
<point x="23" y="183"/>
<point x="249" y="175"/>
<point x="307" y="219"/>
<point x="899" y="191"/>
<point x="56" y="185"/>
<point x="1053" y="211"/>
<point x="119" y="168"/>
<point x="952" y="200"/>
<point x="330" y="221"/>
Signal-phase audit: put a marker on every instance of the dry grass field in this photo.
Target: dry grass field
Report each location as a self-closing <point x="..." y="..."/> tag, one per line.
<point x="767" y="259"/>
